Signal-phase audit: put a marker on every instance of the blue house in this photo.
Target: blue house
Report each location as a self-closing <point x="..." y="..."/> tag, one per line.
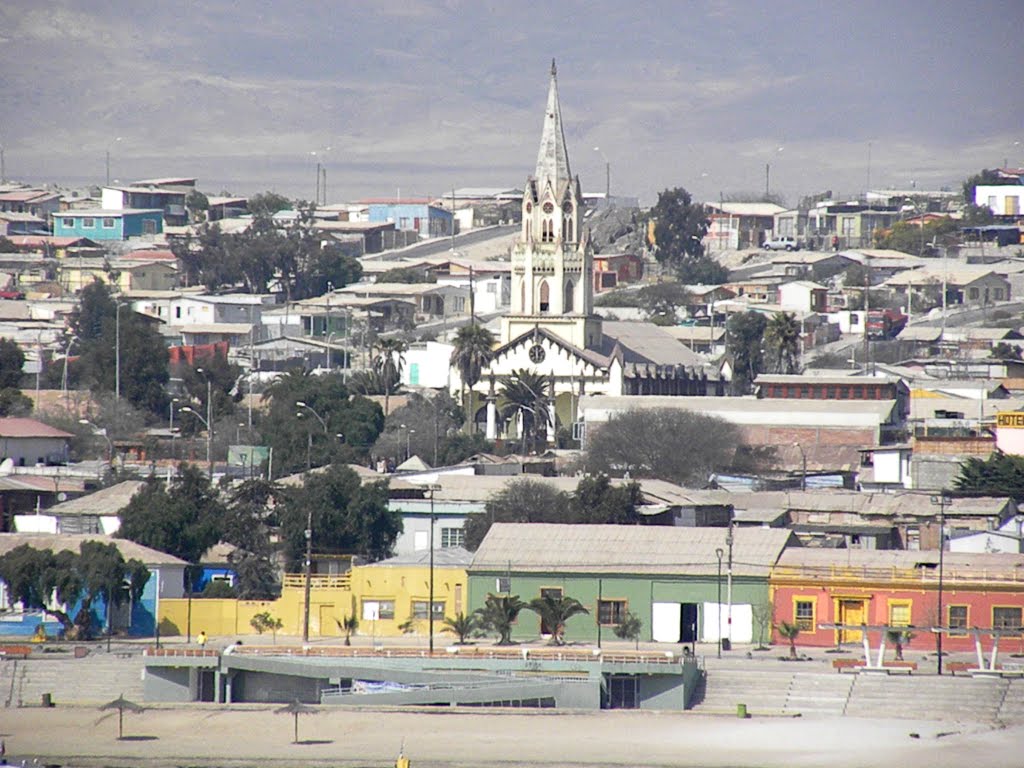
<point x="166" y="580"/>
<point x="417" y="215"/>
<point x="109" y="224"/>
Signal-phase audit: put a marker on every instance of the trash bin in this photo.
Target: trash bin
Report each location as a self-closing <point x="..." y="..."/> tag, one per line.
<point x="81" y="651"/>
<point x="47" y="700"/>
<point x="741" y="711"/>
<point x="726" y="644"/>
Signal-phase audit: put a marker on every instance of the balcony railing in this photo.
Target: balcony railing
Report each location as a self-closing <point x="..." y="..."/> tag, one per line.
<point x="318" y="581"/>
<point x="929" y="575"/>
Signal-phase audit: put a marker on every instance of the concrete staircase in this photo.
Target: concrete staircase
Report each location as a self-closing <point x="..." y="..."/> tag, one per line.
<point x="816" y="693"/>
<point x="1011" y="709"/>
<point x="927" y="696"/>
<point x="96" y="679"/>
<point x="763" y="691"/>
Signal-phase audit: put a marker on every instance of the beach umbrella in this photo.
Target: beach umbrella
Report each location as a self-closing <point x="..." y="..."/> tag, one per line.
<point x="121" y="704"/>
<point x="296" y="708"/>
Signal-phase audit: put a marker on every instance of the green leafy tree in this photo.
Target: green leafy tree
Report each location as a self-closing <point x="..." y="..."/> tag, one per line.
<point x="664" y="443"/>
<point x="526" y="395"/>
<point x="473" y="349"/>
<point x="12" y="360"/>
<point x="407" y="275"/>
<point x="629" y="628"/>
<point x="7" y="245"/>
<point x="998" y="475"/>
<point x="197" y="204"/>
<point x="183" y="519"/>
<point x="744" y="334"/>
<point x="662" y="301"/>
<point x="554" y="612"/>
<point x="143" y="354"/>
<point x="347" y="517"/>
<point x="97" y="571"/>
<point x="456" y="448"/>
<point x="498" y="614"/>
<point x="421" y="427"/>
<point x="911" y="238"/>
<point x="521" y="501"/>
<point x="782" y="344"/>
<point x="13" y="402"/>
<point x="266" y="622"/>
<point x="266" y="204"/>
<point x="216" y="376"/>
<point x="977" y="216"/>
<point x="1004" y="351"/>
<point x="462" y="626"/>
<point x="249" y="523"/>
<point x="985" y="178"/>
<point x="294" y="439"/>
<point x="789" y="631"/>
<point x="597" y="501"/>
<point x="680" y="227"/>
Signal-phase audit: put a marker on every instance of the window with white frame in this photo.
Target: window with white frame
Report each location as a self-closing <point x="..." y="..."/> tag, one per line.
<point x="453" y="537"/>
<point x="108" y="222"/>
<point x="88" y="222"/>
<point x="419" y="609"/>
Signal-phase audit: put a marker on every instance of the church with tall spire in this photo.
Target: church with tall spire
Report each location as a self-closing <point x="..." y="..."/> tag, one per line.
<point x="551" y="329"/>
<point x="552" y="261"/>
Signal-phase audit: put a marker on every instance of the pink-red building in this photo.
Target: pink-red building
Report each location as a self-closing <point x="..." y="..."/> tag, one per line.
<point x="812" y="587"/>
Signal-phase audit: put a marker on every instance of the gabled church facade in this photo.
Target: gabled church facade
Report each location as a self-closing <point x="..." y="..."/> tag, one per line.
<point x="551" y="329"/>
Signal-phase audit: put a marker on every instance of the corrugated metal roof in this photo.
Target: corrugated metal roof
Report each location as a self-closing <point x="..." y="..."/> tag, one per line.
<point x="628" y="549"/>
<point x="799" y="557"/>
<point x="67" y="541"/>
<point x="445" y="557"/>
<point x="106" y="501"/>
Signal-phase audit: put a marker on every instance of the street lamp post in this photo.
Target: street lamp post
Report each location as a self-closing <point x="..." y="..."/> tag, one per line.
<point x="941" y="500"/>
<point x="718" y="553"/>
<point x="309" y="573"/>
<point x="102" y="432"/>
<point x="728" y="584"/>
<point x="607" y="175"/>
<point x="430" y="601"/>
<point x="803" y="466"/>
<point x="209" y="436"/>
<point x="309" y="434"/>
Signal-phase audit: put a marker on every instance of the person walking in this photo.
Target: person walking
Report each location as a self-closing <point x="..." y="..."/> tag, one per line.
<point x="201" y="639"/>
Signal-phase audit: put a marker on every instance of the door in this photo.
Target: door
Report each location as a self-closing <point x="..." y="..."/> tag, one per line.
<point x="850" y="612"/>
<point x="328" y="626"/>
<point x="689" y="628"/>
<point x="666" y="621"/>
<point x="622" y="693"/>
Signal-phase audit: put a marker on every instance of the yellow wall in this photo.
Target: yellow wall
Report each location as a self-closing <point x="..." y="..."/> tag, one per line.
<point x="401" y="584"/>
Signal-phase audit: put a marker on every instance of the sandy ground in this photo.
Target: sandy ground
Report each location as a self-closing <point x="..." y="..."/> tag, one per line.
<point x="207" y="735"/>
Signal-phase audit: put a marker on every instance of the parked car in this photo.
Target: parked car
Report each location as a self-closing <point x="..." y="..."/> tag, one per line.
<point x="781" y="244"/>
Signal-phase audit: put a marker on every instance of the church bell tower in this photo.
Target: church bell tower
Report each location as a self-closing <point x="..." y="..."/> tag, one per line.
<point x="552" y="261"/>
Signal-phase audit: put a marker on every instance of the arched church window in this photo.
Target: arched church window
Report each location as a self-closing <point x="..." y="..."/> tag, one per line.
<point x="547" y="231"/>
<point x="570" y="292"/>
<point x="545" y="297"/>
<point x="568" y="235"/>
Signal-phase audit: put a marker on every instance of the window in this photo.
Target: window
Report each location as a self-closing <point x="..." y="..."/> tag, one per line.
<point x="611" y="612"/>
<point x="973" y="293"/>
<point x="108" y="222"/>
<point x="849" y="225"/>
<point x="68" y="222"/>
<point x="1006" y="618"/>
<point x="831" y="393"/>
<point x="453" y="537"/>
<point x="997" y="294"/>
<point x="957" y="617"/>
<point x="803" y="614"/>
<point x="88" y="222"/>
<point x="419" y="609"/>
<point x="503" y="585"/>
<point x="854" y="319"/>
<point x="899" y="613"/>
<point x="148" y="227"/>
<point x="378" y="609"/>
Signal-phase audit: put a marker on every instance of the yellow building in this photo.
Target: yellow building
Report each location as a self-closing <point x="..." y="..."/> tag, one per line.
<point x="390" y="598"/>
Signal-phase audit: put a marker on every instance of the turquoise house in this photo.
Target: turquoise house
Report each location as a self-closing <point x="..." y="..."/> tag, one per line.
<point x="669" y="577"/>
<point x="109" y="224"/>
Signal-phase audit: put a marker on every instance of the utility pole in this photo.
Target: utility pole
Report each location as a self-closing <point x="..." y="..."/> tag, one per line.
<point x="728" y="589"/>
<point x="941" y="500"/>
<point x="309" y="573"/>
<point x="430" y="601"/>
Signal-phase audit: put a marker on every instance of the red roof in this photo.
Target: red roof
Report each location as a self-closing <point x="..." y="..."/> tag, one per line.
<point x="17" y="427"/>
<point x="56" y="242"/>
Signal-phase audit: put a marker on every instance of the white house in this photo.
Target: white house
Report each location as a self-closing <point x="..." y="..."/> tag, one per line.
<point x="803" y="296"/>
<point x="428" y="364"/>
<point x="1001" y="200"/>
<point x="28" y="442"/>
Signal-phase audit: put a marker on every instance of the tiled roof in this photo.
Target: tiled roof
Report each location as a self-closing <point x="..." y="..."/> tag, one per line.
<point x="21" y="427"/>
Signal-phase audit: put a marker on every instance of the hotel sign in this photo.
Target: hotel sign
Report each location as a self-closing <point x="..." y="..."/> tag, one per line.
<point x="1010" y="420"/>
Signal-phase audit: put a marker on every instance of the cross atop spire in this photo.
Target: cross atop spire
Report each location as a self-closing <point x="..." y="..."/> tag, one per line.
<point x="553" y="158"/>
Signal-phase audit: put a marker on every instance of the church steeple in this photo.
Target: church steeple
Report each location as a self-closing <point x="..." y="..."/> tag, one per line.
<point x="553" y="158"/>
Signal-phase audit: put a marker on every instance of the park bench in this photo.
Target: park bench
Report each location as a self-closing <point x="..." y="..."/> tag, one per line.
<point x="15" y="651"/>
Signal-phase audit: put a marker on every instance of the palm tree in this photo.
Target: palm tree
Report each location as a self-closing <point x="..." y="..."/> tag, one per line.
<point x="473" y="351"/>
<point x="498" y="614"/>
<point x="462" y="625"/>
<point x="790" y="632"/>
<point x="388" y="364"/>
<point x="554" y="612"/>
<point x="899" y="638"/>
<point x="782" y="343"/>
<point x="348" y="625"/>
<point x="526" y="395"/>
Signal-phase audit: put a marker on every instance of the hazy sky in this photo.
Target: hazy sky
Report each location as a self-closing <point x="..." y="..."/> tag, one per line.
<point x="421" y="96"/>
